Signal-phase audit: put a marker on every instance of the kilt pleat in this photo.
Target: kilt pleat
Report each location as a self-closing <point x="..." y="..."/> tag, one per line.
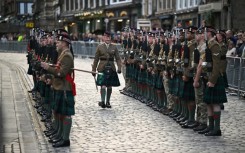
<point x="52" y="95"/>
<point x="188" y="92"/>
<point x="127" y="71"/>
<point x="159" y="82"/>
<point x="47" y="94"/>
<point x="216" y="94"/>
<point x="142" y="76"/>
<point x="175" y="86"/>
<point x="170" y="85"/>
<point x="64" y="106"/>
<point x="149" y="79"/>
<point x="111" y="80"/>
<point x="42" y="88"/>
<point x="180" y="87"/>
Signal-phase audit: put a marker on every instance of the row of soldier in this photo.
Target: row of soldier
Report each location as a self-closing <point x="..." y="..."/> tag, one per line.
<point x="50" y="60"/>
<point x="180" y="74"/>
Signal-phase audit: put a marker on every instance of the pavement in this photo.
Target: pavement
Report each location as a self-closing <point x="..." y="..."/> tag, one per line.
<point x="129" y="127"/>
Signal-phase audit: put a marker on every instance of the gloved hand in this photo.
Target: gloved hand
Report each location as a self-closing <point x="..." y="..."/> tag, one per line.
<point x="118" y="71"/>
<point x="44" y="65"/>
<point x="94" y="74"/>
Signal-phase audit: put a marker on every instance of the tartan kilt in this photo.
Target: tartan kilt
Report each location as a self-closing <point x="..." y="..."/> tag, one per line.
<point x="47" y="94"/>
<point x="188" y="92"/>
<point x="175" y="86"/>
<point x="127" y="71"/>
<point x="51" y="98"/>
<point x="215" y="95"/>
<point x="171" y="85"/>
<point x="136" y="74"/>
<point x="42" y="88"/>
<point x="159" y="82"/>
<point x="111" y="80"/>
<point x="131" y="71"/>
<point x="180" y="87"/>
<point x="62" y="106"/>
<point x="149" y="79"/>
<point x="142" y="76"/>
<point x="225" y="80"/>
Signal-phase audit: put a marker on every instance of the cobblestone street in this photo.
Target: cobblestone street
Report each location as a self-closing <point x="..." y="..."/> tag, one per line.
<point x="131" y="126"/>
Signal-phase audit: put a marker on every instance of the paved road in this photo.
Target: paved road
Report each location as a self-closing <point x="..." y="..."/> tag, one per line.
<point x="131" y="126"/>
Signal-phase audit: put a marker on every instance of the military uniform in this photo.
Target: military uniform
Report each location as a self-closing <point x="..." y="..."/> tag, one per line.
<point x="63" y="90"/>
<point x="201" y="113"/>
<point x="189" y="94"/>
<point x="214" y="93"/>
<point x="104" y="63"/>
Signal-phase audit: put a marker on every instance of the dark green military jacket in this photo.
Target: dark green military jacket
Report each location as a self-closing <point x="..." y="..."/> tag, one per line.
<point x="106" y="55"/>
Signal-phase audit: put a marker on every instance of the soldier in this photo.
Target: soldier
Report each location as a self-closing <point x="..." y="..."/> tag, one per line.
<point x="221" y="39"/>
<point x="105" y="55"/>
<point x="214" y="94"/>
<point x="201" y="116"/>
<point x="64" y="88"/>
<point x="189" y="93"/>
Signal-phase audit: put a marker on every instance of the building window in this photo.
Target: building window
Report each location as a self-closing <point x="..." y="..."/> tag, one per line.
<point x="168" y="4"/>
<point x="72" y="4"/>
<point x="180" y="4"/>
<point x="185" y="3"/>
<point x="197" y="2"/>
<point x="92" y="3"/>
<point x="149" y="7"/>
<point x="100" y="2"/>
<point x="159" y="5"/>
<point x="119" y="1"/>
<point x="191" y="3"/>
<point x="67" y="5"/>
<point x="29" y="8"/>
<point x="24" y="8"/>
<point x="82" y="4"/>
<point x="164" y="4"/>
<point x="107" y="2"/>
<point x="76" y="4"/>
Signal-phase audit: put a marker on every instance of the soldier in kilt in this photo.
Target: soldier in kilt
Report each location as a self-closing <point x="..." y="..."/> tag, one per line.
<point x="64" y="89"/>
<point x="150" y="75"/>
<point x="142" y="73"/>
<point x="104" y="63"/>
<point x="214" y="93"/>
<point x="189" y="93"/>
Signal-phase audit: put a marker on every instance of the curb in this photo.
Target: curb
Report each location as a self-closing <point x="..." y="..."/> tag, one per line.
<point x="27" y="84"/>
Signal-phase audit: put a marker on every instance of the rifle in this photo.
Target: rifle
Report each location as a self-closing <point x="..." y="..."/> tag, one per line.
<point x="196" y="54"/>
<point x="186" y="51"/>
<point x="208" y="53"/>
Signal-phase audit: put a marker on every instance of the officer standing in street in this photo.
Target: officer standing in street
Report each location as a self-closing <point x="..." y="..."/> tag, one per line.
<point x="104" y="63"/>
